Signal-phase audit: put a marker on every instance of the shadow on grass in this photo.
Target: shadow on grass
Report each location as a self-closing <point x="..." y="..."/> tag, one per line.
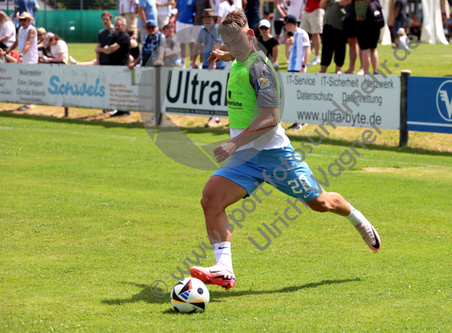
<point x="146" y="295"/>
<point x="296" y="139"/>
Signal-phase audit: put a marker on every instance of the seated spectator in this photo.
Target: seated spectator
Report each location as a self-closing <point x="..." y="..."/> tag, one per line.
<point x="267" y="43"/>
<point x="334" y="38"/>
<point x="103" y="38"/>
<point x="58" y="49"/>
<point x="414" y="26"/>
<point x="172" y="50"/>
<point x="7" y="31"/>
<point x="119" y="52"/>
<point x="401" y="40"/>
<point x="153" y="48"/>
<point x="42" y="49"/>
<point x="449" y="27"/>
<point x="12" y="57"/>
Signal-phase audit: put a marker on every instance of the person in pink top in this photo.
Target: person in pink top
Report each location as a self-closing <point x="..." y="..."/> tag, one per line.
<point x="312" y="22"/>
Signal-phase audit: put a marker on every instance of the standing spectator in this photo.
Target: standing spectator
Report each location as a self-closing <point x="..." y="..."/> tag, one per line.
<point x="298" y="50"/>
<point x="225" y="7"/>
<point x="349" y="27"/>
<point x="312" y="22"/>
<point x="399" y="16"/>
<point x="267" y="43"/>
<point x="184" y="26"/>
<point x="368" y="35"/>
<point x="128" y="9"/>
<point x="153" y="48"/>
<point x="58" y="49"/>
<point x="200" y="6"/>
<point x="295" y="8"/>
<point x="29" y="6"/>
<point x="119" y="51"/>
<point x="334" y="40"/>
<point x="449" y="27"/>
<point x="7" y="31"/>
<point x="134" y="47"/>
<point x="209" y="38"/>
<point x="279" y="14"/>
<point x="164" y="12"/>
<point x="103" y="39"/>
<point x="252" y="12"/>
<point x="146" y="11"/>
<point x="27" y="41"/>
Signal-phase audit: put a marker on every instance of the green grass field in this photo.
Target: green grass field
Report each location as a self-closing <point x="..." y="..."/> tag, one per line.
<point x="92" y="212"/>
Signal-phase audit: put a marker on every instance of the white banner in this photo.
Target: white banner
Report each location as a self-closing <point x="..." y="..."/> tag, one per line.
<point x="96" y="87"/>
<point x="347" y="100"/>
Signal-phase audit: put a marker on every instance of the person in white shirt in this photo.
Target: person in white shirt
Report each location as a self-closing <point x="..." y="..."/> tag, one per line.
<point x="224" y="8"/>
<point x="404" y="42"/>
<point x="128" y="10"/>
<point x="7" y="31"/>
<point x="164" y="12"/>
<point x="298" y="47"/>
<point x="58" y="49"/>
<point x="27" y="41"/>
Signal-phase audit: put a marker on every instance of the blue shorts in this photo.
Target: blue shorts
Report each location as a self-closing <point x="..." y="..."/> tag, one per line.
<point x="247" y="169"/>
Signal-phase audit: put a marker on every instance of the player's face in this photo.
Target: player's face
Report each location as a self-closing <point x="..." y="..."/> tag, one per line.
<point x="240" y="44"/>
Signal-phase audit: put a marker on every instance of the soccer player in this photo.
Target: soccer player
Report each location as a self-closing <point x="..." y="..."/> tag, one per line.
<point x="259" y="152"/>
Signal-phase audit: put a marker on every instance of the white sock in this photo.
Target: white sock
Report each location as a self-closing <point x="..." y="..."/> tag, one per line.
<point x="355" y="216"/>
<point x="222" y="252"/>
<point x="317" y="58"/>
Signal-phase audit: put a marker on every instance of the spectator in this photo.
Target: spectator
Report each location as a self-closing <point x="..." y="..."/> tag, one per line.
<point x="7" y="31"/>
<point x="146" y="11"/>
<point x="42" y="49"/>
<point x="153" y="47"/>
<point x="252" y="12"/>
<point x="267" y="43"/>
<point x="312" y="22"/>
<point x="128" y="9"/>
<point x="334" y="40"/>
<point x="12" y="57"/>
<point x="298" y="50"/>
<point x="407" y="21"/>
<point x="209" y="38"/>
<point x="119" y="51"/>
<point x="103" y="38"/>
<point x="349" y="28"/>
<point x="29" y="6"/>
<point x="58" y="49"/>
<point x="403" y="40"/>
<point x="368" y="35"/>
<point x="27" y="41"/>
<point x="184" y="26"/>
<point x="225" y="7"/>
<point x="200" y="7"/>
<point x="172" y="50"/>
<point x="164" y="12"/>
<point x="134" y="47"/>
<point x="414" y="26"/>
<point x="295" y="8"/>
<point x="279" y="14"/>
<point x="399" y="16"/>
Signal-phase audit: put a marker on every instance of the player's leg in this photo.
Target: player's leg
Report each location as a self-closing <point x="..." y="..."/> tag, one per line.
<point x="218" y="194"/>
<point x="335" y="203"/>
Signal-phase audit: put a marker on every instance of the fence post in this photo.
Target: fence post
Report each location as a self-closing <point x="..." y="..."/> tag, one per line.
<point x="404" y="134"/>
<point x="66" y="112"/>
<point x="158" y="104"/>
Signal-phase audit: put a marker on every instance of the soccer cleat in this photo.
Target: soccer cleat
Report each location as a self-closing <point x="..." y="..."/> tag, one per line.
<point x="217" y="274"/>
<point x="370" y="235"/>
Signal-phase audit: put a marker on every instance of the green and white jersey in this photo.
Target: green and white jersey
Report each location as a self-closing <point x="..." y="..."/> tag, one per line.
<point x="252" y="84"/>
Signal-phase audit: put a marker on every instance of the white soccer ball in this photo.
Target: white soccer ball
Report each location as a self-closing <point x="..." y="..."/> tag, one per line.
<point x="190" y="295"/>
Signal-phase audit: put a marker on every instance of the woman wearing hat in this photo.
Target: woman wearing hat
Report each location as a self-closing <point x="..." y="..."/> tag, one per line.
<point x="267" y="43"/>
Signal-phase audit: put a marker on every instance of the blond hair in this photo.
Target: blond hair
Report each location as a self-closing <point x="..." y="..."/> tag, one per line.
<point x="235" y="20"/>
